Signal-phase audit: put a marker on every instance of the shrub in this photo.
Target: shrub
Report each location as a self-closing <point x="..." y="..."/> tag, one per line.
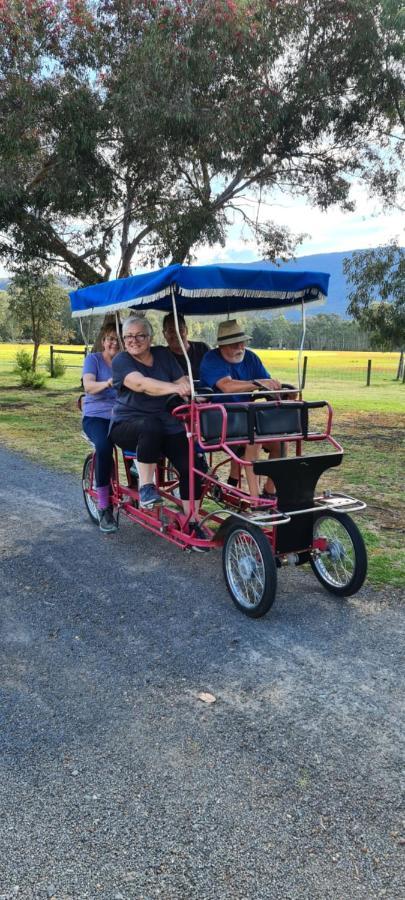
<point x="23" y="362"/>
<point x="35" y="380"/>
<point x="59" y="367"/>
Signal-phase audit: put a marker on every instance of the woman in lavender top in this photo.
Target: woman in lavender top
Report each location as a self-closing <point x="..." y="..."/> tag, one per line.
<point x="97" y="406"/>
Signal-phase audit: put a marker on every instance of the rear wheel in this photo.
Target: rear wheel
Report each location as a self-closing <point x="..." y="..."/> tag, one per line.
<point x="249" y="569"/>
<point x="342" y="566"/>
<point x="89" y="483"/>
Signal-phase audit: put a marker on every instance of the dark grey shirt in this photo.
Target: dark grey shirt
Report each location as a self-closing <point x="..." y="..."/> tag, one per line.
<point x="130" y="404"/>
<point x="196" y="351"/>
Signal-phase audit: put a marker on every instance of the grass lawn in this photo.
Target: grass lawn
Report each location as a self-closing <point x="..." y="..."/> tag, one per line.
<point x="369" y="422"/>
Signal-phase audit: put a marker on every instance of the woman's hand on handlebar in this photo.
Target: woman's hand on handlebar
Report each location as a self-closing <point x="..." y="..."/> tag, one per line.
<point x="182" y="387"/>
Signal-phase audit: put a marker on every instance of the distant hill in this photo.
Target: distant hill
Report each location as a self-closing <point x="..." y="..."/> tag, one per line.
<point x="332" y="263"/>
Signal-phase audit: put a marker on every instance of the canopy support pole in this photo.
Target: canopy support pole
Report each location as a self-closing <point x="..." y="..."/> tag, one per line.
<point x="85" y="339"/>
<point x="304" y="327"/>
<point x="117" y="328"/>
<point x="176" y="322"/>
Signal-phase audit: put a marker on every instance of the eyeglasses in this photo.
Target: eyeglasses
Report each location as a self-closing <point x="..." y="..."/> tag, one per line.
<point x="111" y="340"/>
<point x="139" y="338"/>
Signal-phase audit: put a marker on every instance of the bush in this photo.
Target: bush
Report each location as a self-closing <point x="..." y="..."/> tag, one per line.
<point x="59" y="367"/>
<point x="35" y="380"/>
<point x="23" y="362"/>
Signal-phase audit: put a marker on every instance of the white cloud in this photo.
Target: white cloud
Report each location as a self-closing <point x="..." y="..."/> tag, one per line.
<point x="334" y="230"/>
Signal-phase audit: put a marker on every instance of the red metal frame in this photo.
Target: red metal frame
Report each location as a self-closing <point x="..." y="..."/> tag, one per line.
<point x="170" y="521"/>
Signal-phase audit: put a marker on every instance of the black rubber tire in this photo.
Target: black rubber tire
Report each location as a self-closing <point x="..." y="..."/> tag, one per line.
<point x="259" y="547"/>
<point x="351" y="581"/>
<point x="89" y="502"/>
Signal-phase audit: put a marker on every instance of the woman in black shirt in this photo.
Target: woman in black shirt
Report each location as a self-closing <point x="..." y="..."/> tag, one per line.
<point x="144" y="376"/>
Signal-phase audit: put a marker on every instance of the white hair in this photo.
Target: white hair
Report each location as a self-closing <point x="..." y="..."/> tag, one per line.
<point x="137" y="320"/>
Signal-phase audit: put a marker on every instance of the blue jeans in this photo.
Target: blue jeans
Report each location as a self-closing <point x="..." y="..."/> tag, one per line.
<point x="97" y="430"/>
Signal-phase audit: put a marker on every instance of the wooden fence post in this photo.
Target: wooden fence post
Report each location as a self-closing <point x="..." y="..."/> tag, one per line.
<point x="304" y="372"/>
<point x="368" y="372"/>
<point x="400" y="366"/>
<point x="52" y="369"/>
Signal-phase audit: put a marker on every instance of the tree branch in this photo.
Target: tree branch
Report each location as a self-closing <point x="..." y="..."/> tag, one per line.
<point x="48" y="237"/>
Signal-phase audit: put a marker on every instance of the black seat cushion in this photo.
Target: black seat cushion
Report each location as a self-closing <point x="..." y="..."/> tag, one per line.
<point x="237" y="424"/>
<point x="277" y="420"/>
<point x="267" y="420"/>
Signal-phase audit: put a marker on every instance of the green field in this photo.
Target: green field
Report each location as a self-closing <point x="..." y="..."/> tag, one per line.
<point x="368" y="421"/>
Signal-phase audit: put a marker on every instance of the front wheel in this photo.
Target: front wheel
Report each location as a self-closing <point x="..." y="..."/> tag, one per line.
<point x="89" y="484"/>
<point x="249" y="569"/>
<point x="342" y="565"/>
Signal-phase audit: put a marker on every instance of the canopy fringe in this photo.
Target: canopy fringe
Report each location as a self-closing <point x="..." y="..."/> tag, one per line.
<point x="242" y="292"/>
<point x="284" y="296"/>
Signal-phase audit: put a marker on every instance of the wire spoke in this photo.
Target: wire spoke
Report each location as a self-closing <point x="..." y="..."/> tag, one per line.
<point x="246" y="568"/>
<point x="337" y="563"/>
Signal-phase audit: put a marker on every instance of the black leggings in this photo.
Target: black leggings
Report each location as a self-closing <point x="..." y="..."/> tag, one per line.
<point x="148" y="437"/>
<point x="97" y="431"/>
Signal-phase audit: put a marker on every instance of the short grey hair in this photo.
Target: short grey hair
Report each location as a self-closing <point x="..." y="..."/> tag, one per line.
<point x="137" y="320"/>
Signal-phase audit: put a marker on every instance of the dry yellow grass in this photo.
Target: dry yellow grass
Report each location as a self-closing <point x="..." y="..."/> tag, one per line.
<point x="332" y="359"/>
<point x="8" y="351"/>
<point x="319" y="359"/>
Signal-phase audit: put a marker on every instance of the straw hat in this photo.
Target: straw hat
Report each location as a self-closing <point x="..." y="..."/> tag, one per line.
<point x="230" y="332"/>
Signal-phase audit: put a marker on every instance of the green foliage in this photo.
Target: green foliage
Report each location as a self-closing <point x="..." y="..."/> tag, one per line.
<point x="142" y="125"/>
<point x="28" y="377"/>
<point x="58" y="368"/>
<point x="34" y="380"/>
<point x="377" y="300"/>
<point x="262" y="334"/>
<point x="5" y="330"/>
<point x="323" y="332"/>
<point x="23" y="362"/>
<point x="36" y="302"/>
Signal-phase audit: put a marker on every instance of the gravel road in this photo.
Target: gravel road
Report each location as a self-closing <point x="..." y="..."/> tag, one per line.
<point x="118" y="783"/>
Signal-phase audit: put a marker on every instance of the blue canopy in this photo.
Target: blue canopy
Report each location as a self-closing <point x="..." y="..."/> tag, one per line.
<point x="203" y="290"/>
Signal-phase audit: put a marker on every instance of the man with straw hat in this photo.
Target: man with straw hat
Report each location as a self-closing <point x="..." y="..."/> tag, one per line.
<point x="232" y="369"/>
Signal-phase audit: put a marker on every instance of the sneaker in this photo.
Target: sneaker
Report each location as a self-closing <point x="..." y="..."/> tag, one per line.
<point x="200" y="533"/>
<point x="107" y="522"/>
<point x="149" y="496"/>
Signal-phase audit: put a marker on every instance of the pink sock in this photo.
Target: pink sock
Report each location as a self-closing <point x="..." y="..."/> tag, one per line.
<point x="103" y="496"/>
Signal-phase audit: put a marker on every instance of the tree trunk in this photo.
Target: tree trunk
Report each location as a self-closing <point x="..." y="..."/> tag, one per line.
<point x="35" y="357"/>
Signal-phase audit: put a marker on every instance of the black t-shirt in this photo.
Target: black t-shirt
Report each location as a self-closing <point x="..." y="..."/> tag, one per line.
<point x="132" y="403"/>
<point x="196" y="351"/>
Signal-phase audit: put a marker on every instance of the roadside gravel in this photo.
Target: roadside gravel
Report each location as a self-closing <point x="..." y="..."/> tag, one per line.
<point x="118" y="783"/>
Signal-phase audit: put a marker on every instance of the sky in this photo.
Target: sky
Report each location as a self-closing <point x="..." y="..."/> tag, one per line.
<point x="327" y="232"/>
<point x="334" y="230"/>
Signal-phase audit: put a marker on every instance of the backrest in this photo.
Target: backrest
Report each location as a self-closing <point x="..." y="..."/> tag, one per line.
<point x="237" y="423"/>
<point x="271" y="420"/>
<point x="243" y="419"/>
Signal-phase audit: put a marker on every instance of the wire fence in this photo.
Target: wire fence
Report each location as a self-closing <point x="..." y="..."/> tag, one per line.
<point x="72" y="355"/>
<point x="360" y="367"/>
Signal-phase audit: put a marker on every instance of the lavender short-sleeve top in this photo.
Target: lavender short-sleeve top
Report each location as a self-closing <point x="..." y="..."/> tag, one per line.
<point x="101" y="404"/>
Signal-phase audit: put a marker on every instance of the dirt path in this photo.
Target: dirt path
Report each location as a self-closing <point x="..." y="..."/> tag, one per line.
<point x="117" y="782"/>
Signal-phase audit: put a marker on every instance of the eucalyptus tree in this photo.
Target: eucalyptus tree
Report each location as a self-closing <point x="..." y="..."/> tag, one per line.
<point x="377" y="294"/>
<point x="36" y="303"/>
<point x="133" y="132"/>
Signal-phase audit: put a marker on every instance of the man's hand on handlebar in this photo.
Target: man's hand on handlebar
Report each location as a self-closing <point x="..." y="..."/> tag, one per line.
<point x="269" y="384"/>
